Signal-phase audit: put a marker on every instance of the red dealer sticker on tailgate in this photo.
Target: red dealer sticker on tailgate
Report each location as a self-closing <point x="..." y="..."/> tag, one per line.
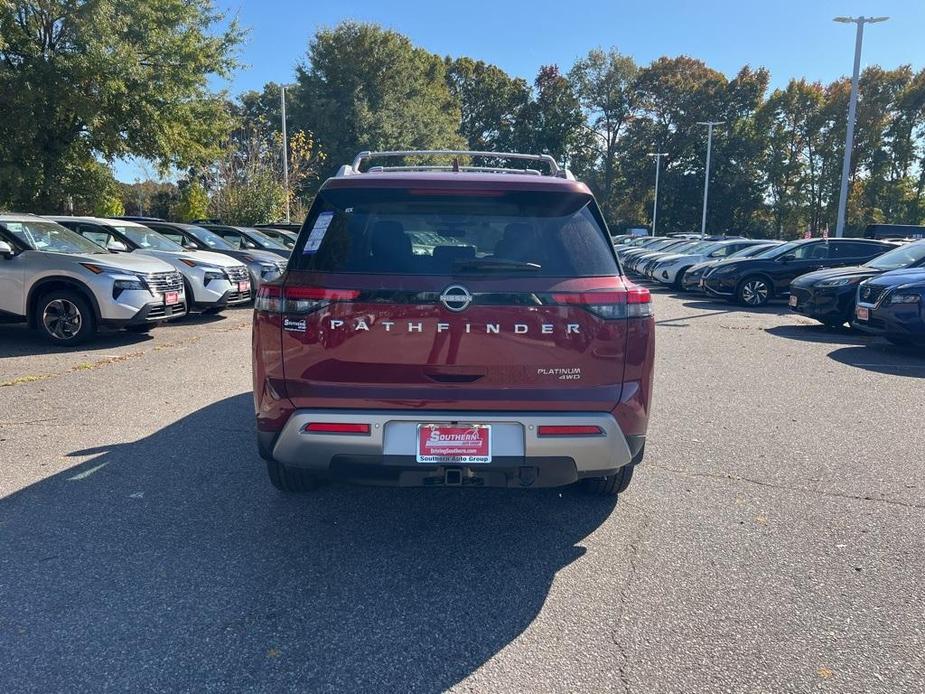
<point x="454" y="444"/>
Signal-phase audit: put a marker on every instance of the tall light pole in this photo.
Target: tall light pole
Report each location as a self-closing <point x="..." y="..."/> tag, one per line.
<point x="282" y="103"/>
<point x="852" y="108"/>
<point x="706" y="178"/>
<point x="658" y="160"/>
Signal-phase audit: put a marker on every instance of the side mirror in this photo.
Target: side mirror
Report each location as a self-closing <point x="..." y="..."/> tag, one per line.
<point x="6" y="250"/>
<point x="117" y="246"/>
<point x="787" y="258"/>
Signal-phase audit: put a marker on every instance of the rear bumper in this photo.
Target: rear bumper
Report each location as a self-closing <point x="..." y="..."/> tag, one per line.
<point x="520" y="458"/>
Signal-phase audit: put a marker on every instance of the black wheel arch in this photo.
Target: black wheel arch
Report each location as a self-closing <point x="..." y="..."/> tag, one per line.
<point x="55" y="282"/>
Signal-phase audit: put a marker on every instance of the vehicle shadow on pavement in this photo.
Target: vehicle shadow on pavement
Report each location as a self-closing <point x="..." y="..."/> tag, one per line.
<point x="707" y="304"/>
<point x="819" y="333"/>
<point x="170" y="563"/>
<point x="884" y="358"/>
<point x="18" y="340"/>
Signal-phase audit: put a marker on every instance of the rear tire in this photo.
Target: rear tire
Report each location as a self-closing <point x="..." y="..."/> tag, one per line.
<point x="612" y="485"/>
<point x="290" y="480"/>
<point x="64" y="317"/>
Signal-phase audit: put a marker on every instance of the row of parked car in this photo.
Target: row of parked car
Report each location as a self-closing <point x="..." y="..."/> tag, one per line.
<point x="877" y="286"/>
<point x="68" y="276"/>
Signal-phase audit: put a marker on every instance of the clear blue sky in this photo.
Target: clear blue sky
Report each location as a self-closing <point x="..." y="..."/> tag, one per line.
<point x="792" y="38"/>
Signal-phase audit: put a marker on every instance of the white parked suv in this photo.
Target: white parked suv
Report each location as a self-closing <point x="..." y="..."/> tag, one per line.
<point x="670" y="268"/>
<point x="212" y="280"/>
<point x="67" y="286"/>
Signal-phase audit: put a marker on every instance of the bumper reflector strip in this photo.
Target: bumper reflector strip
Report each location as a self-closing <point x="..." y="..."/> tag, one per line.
<point x="336" y="428"/>
<point x="569" y="430"/>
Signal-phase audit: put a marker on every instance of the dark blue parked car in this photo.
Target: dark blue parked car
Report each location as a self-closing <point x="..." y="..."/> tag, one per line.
<point x="892" y="305"/>
<point x="828" y="295"/>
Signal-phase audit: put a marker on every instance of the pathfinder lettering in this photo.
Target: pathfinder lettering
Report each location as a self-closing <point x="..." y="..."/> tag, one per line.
<point x="488" y="328"/>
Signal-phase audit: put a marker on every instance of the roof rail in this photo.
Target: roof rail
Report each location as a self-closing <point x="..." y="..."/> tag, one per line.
<point x="450" y="167"/>
<point x="549" y="160"/>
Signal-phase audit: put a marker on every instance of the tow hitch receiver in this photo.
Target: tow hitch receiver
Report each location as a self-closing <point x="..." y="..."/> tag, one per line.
<point x="452" y="477"/>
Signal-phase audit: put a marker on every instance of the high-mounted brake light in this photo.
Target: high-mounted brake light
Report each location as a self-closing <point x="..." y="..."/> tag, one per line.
<point x="336" y="428"/>
<point x="456" y="192"/>
<point x="569" y="430"/>
<point x="275" y="299"/>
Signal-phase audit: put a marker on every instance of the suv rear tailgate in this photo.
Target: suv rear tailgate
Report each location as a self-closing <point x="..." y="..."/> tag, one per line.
<point x="521" y="344"/>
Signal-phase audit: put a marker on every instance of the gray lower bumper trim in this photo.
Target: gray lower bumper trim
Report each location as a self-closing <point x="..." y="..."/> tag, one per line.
<point x="393" y="433"/>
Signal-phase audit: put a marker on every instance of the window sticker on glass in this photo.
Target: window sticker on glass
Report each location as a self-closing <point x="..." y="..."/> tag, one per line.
<point x="318" y="231"/>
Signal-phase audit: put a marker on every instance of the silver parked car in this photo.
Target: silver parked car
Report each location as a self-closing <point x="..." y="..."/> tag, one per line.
<point x="212" y="280"/>
<point x="262" y="266"/>
<point x="66" y="286"/>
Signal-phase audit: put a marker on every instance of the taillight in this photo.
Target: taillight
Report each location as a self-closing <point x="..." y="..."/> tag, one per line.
<point x="638" y="302"/>
<point x="275" y="299"/>
<point x="611" y="304"/>
<point x="336" y="428"/>
<point x="569" y="430"/>
<point x="269" y="299"/>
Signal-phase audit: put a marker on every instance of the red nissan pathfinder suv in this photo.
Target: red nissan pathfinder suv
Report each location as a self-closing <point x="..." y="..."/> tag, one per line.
<point x="453" y="325"/>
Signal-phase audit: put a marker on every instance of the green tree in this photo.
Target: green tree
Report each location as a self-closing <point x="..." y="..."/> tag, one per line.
<point x="193" y="202"/>
<point x="98" y="79"/>
<point x="791" y="119"/>
<point x="245" y="184"/>
<point x="604" y="82"/>
<point x="149" y="198"/>
<point x="109" y="205"/>
<point x="674" y="94"/>
<point x="490" y="102"/>
<point x="552" y="123"/>
<point x="363" y="87"/>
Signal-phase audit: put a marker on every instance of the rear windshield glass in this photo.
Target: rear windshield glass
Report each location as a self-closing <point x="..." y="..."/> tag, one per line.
<point x="405" y="232"/>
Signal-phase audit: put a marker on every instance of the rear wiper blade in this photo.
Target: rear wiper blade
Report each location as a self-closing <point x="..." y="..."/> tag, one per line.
<point x="495" y="264"/>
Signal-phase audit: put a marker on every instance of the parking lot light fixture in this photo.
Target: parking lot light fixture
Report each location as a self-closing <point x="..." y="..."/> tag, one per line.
<point x="282" y="105"/>
<point x="658" y="160"/>
<point x="706" y="178"/>
<point x="852" y="108"/>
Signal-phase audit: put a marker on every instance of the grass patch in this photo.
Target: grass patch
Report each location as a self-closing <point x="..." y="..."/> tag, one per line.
<point x="32" y="378"/>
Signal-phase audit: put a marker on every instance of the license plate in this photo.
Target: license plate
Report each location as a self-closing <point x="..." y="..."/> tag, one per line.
<point x="862" y="313"/>
<point x="171" y="298"/>
<point x="455" y="444"/>
<point x="244" y="287"/>
<point x="793" y="301"/>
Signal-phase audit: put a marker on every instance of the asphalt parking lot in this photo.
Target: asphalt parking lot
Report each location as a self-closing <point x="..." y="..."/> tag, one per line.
<point x="774" y="539"/>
